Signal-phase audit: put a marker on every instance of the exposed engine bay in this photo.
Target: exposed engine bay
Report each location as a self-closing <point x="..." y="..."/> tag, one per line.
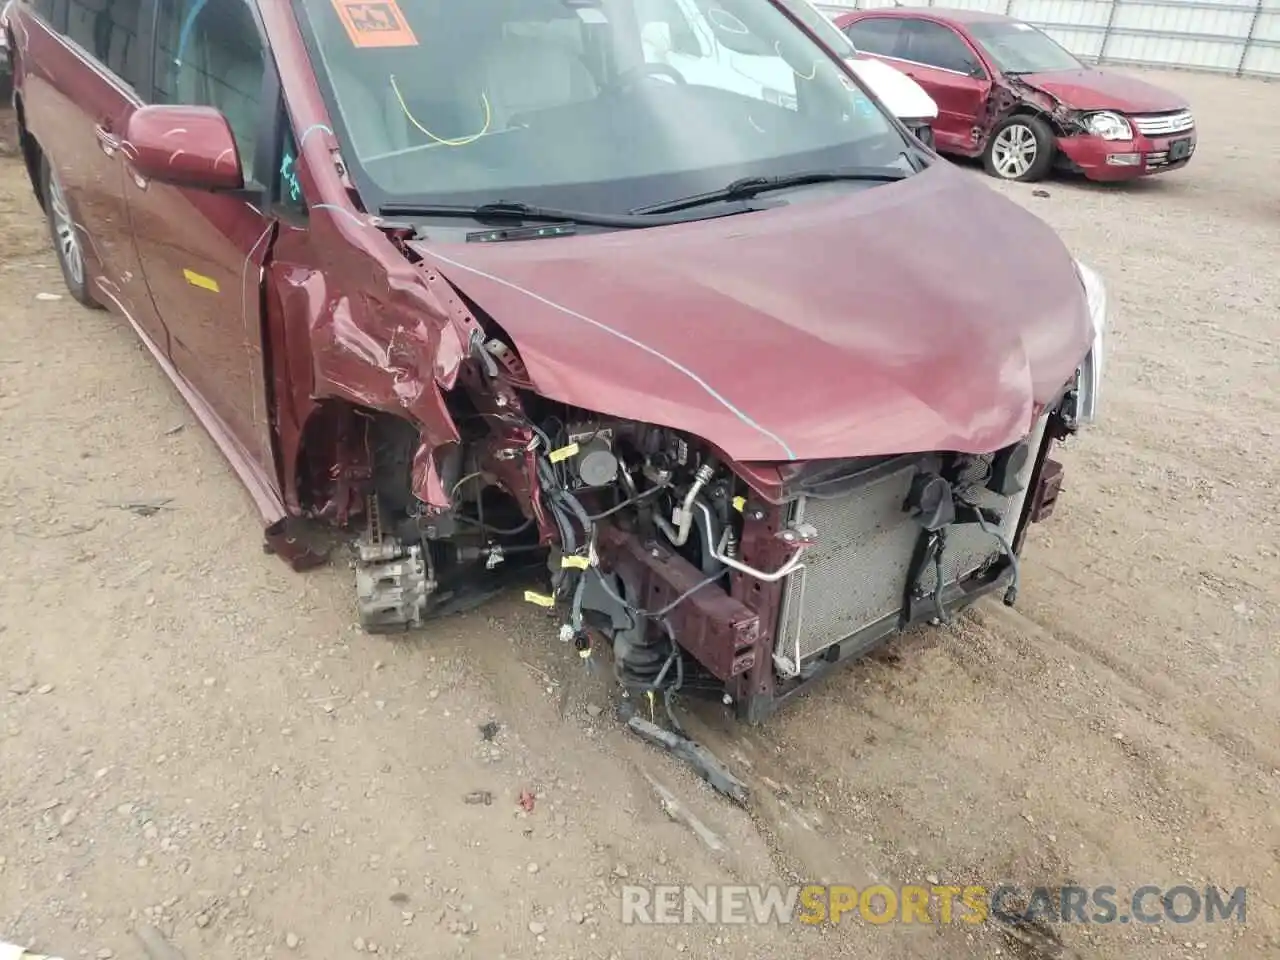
<point x="699" y="575"/>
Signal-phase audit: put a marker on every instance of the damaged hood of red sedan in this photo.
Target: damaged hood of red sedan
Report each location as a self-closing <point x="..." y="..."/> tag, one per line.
<point x="1092" y="89"/>
<point x="928" y="314"/>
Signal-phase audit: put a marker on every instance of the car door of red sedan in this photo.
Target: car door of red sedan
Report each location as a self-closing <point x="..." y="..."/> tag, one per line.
<point x="942" y="62"/>
<point x="938" y="59"/>
<point x="203" y="252"/>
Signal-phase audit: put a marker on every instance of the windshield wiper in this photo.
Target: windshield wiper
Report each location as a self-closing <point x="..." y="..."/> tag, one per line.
<point x="505" y="211"/>
<point x="748" y="187"/>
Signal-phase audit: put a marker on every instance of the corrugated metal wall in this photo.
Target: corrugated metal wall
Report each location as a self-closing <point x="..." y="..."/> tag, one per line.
<point x="1240" y="37"/>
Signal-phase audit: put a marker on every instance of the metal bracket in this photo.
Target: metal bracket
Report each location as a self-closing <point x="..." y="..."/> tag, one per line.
<point x="702" y="760"/>
<point x="392" y="582"/>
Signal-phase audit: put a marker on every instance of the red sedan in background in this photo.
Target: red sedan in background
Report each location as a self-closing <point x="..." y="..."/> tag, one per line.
<point x="1010" y="94"/>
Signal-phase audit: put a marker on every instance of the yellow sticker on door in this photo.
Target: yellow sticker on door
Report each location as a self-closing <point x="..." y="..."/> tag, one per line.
<point x="201" y="281"/>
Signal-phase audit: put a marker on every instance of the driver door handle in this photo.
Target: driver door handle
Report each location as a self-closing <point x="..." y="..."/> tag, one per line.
<point x="107" y="140"/>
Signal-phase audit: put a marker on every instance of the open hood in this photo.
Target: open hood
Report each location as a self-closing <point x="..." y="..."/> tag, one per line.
<point x="928" y="314"/>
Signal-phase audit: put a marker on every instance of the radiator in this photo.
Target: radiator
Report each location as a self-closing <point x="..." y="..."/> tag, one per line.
<point x="856" y="575"/>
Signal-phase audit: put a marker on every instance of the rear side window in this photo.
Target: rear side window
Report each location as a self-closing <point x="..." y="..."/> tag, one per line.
<point x="876" y="35"/>
<point x="936" y="46"/>
<point x="210" y="55"/>
<point x="111" y="30"/>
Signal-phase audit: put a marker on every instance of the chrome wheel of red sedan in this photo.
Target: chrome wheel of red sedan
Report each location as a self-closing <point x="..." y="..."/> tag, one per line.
<point x="1020" y="148"/>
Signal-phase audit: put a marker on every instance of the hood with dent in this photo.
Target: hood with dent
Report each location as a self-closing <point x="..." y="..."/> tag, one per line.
<point x="1093" y="89"/>
<point x="928" y="314"/>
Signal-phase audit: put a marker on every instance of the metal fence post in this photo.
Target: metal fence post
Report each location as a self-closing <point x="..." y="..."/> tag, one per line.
<point x="1106" y="31"/>
<point x="1248" y="38"/>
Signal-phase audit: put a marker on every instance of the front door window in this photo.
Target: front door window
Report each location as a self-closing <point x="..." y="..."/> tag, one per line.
<point x="210" y="55"/>
<point x="935" y="45"/>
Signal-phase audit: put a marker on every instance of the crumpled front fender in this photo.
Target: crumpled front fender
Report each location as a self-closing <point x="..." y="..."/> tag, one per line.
<point x="386" y="338"/>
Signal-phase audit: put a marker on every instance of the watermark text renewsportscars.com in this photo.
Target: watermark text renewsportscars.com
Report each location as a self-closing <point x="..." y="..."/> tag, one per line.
<point x="819" y="904"/>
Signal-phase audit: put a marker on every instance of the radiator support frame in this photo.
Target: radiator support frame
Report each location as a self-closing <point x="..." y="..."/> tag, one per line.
<point x="759" y="692"/>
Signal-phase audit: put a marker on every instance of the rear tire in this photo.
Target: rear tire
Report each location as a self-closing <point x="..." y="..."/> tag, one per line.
<point x="66" y="237"/>
<point x="1020" y="148"/>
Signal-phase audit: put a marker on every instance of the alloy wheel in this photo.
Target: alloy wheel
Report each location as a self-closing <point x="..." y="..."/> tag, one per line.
<point x="1014" y="151"/>
<point x="64" y="230"/>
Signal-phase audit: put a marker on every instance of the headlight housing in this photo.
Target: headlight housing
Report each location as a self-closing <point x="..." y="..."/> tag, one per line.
<point x="1108" y="126"/>
<point x="1089" y="376"/>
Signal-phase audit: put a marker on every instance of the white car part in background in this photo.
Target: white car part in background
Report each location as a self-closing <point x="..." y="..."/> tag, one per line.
<point x="905" y="98"/>
<point x="770" y="77"/>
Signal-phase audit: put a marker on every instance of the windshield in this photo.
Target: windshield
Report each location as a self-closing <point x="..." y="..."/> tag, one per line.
<point x="596" y="105"/>
<point x="823" y="28"/>
<point x="1021" y="48"/>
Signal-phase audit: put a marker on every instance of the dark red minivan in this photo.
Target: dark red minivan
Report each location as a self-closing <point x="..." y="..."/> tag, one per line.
<point x="737" y="385"/>
<point x="1010" y="94"/>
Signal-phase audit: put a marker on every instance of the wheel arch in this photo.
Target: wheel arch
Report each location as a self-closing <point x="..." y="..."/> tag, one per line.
<point x="343" y="451"/>
<point x="1031" y="110"/>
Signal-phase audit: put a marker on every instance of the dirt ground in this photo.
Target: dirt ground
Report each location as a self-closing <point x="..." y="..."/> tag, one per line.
<point x="193" y="737"/>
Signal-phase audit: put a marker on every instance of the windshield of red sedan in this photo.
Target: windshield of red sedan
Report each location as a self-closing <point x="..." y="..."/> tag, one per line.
<point x="595" y="104"/>
<point x="1021" y="48"/>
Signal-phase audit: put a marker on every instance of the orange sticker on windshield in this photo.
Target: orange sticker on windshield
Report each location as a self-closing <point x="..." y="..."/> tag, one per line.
<point x="375" y="23"/>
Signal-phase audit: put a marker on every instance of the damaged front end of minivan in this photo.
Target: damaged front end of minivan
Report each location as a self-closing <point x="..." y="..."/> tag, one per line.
<point x="693" y="505"/>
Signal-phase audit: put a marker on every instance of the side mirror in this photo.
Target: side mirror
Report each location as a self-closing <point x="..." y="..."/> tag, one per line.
<point x="183" y="146"/>
<point x="656" y="36"/>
